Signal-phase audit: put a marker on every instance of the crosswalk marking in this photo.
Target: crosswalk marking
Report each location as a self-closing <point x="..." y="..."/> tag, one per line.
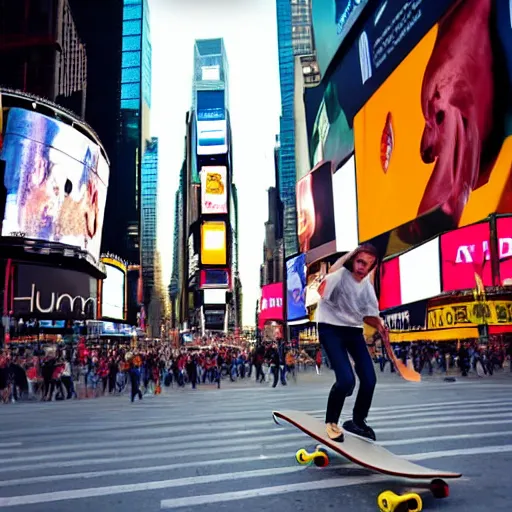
<point x="234" y="442"/>
<point x="328" y="483"/>
<point x="49" y="497"/>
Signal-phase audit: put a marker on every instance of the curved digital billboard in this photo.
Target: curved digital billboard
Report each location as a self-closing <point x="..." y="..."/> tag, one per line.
<point x="56" y="181"/>
<point x="433" y="144"/>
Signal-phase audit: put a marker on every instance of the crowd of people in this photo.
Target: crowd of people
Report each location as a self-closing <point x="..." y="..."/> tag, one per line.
<point x="63" y="373"/>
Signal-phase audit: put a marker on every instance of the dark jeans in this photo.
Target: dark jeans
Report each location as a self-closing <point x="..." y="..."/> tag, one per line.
<point x="338" y="343"/>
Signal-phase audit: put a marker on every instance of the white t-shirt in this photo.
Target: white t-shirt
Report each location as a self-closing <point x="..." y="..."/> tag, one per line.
<point x="346" y="301"/>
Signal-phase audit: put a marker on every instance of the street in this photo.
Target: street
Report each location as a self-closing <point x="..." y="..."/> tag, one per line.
<point x="188" y="449"/>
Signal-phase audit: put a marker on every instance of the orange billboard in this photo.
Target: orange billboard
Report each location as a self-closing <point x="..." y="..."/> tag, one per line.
<point x="213" y="243"/>
<point x="433" y="145"/>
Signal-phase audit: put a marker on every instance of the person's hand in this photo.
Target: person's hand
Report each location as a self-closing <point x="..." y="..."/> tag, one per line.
<point x="384" y="333"/>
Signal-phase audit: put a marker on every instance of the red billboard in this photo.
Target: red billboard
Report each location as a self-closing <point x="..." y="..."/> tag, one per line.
<point x="271" y="305"/>
<point x="464" y="252"/>
<point x="504" y="229"/>
<point x="390" y="292"/>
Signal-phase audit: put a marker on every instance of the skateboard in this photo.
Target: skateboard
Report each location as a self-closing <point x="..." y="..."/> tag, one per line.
<point x="362" y="452"/>
<point x="406" y="372"/>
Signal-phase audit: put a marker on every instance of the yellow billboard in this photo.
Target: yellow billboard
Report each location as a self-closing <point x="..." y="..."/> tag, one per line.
<point x="213" y="243"/>
<point x="433" y="145"/>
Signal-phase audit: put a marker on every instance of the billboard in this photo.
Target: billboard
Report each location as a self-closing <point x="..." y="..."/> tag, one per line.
<point x="271" y="304"/>
<point x="464" y="252"/>
<point x="214" y="296"/>
<point x="411" y="277"/>
<point x="296" y="287"/>
<point x="504" y="231"/>
<point x="345" y="206"/>
<point x="214" y="190"/>
<point x="315" y="213"/>
<point x="214" y="278"/>
<point x="211" y="123"/>
<point x="332" y="21"/>
<point x="113" y="292"/>
<point x="433" y="145"/>
<point x="52" y="293"/>
<point x="386" y="38"/>
<point x="213" y="243"/>
<point x="56" y="181"/>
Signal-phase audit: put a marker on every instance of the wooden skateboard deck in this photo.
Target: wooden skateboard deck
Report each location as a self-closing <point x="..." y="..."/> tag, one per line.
<point x="362" y="452"/>
<point x="406" y="372"/>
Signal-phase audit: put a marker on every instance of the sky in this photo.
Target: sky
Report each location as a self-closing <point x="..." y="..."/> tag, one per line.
<point x="250" y="36"/>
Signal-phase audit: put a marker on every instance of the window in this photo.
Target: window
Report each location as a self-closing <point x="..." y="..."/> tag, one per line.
<point x="131" y="28"/>
<point x="130" y="59"/>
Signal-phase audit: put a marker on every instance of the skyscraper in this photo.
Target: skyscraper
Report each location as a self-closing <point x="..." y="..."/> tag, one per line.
<point x="149" y="217"/>
<point x="123" y="214"/>
<point x="42" y="52"/>
<point x="294" y="33"/>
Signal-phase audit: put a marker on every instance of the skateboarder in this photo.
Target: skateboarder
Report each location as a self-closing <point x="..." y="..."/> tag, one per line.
<point x="347" y="301"/>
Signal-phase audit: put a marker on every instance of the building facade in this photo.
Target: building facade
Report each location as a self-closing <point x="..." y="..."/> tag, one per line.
<point x="135" y="105"/>
<point x="205" y="287"/>
<point x="42" y="52"/>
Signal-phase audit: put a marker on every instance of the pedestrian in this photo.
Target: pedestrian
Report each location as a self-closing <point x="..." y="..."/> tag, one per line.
<point x="347" y="301"/>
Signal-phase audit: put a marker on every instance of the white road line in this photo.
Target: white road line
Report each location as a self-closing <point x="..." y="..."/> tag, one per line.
<point x="139" y="470"/>
<point x="478" y="450"/>
<point x="422" y="440"/>
<point x="440" y="405"/>
<point x="328" y="483"/>
<point x="49" y="497"/>
<point x="199" y="447"/>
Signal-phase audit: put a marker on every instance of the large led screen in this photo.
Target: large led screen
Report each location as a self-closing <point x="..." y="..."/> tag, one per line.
<point x="315" y="213"/>
<point x="271" y="303"/>
<point x="504" y="229"/>
<point x="215" y="278"/>
<point x="56" y="181"/>
<point x="214" y="296"/>
<point x="345" y="206"/>
<point x="214" y="190"/>
<point x="52" y="293"/>
<point x="296" y="287"/>
<point x="464" y="252"/>
<point x="213" y="243"/>
<point x="391" y="31"/>
<point x="390" y="294"/>
<point x="411" y="277"/>
<point x="113" y="293"/>
<point x="433" y="144"/>
<point x="332" y="21"/>
<point x="420" y="273"/>
<point x="211" y="123"/>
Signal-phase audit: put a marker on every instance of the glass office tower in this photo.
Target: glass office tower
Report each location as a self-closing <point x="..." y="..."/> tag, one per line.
<point x="149" y="216"/>
<point x="135" y="111"/>
<point x="295" y="38"/>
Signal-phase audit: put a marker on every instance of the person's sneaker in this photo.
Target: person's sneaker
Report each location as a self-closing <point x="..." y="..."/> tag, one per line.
<point x="334" y="432"/>
<point x="360" y="429"/>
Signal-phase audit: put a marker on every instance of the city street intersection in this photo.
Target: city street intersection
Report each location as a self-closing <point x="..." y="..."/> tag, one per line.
<point x="191" y="449"/>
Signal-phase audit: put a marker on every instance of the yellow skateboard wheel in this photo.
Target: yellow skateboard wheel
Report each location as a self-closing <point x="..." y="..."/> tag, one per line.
<point x="388" y="501"/>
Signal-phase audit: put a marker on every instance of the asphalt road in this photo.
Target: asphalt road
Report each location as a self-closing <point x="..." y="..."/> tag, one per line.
<point x="208" y="448"/>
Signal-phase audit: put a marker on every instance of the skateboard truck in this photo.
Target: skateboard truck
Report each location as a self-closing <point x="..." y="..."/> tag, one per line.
<point x="319" y="457"/>
<point x="388" y="501"/>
